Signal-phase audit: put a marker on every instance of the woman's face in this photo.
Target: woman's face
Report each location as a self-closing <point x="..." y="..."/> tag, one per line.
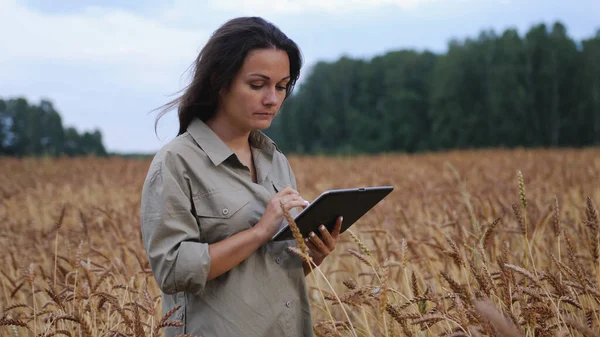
<point x="257" y="90"/>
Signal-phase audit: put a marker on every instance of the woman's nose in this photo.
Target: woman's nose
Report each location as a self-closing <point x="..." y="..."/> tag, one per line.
<point x="270" y="97"/>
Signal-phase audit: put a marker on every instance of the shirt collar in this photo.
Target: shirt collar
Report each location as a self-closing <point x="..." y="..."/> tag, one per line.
<point x="218" y="151"/>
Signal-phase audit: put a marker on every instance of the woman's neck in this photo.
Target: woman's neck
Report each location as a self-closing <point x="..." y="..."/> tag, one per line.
<point x="233" y="137"/>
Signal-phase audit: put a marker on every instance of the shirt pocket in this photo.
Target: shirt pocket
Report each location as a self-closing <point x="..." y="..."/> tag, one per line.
<point x="222" y="213"/>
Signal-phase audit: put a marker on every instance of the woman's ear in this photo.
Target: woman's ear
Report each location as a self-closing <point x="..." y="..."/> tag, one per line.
<point x="224" y="90"/>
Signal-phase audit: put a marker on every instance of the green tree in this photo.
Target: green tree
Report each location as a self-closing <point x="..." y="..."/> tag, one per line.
<point x="542" y="89"/>
<point x="33" y="130"/>
<point x="52" y="136"/>
<point x="589" y="108"/>
<point x="5" y="121"/>
<point x="407" y="81"/>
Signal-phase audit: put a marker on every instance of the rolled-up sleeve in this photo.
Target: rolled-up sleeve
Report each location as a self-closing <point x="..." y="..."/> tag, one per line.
<point x="179" y="261"/>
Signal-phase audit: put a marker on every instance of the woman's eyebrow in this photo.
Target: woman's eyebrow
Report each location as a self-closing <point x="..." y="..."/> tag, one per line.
<point x="267" y="77"/>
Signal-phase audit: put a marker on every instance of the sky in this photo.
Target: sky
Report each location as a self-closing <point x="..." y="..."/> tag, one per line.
<point x="106" y="64"/>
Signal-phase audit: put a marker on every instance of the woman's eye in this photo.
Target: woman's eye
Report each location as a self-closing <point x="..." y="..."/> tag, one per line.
<point x="258" y="86"/>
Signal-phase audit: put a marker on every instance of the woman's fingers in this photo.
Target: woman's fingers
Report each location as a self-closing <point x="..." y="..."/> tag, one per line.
<point x="316" y="254"/>
<point x="337" y="228"/>
<point x="291" y="201"/>
<point x="326" y="238"/>
<point x="287" y="191"/>
<point x="311" y="246"/>
<point x="329" y="239"/>
<point x="321" y="247"/>
<point x="290" y="198"/>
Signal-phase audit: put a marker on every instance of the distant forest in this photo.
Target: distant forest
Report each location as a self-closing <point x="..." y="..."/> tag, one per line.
<point x="497" y="90"/>
<point x="37" y="130"/>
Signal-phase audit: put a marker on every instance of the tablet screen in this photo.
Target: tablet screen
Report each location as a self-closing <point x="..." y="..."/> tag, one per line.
<point x="350" y="203"/>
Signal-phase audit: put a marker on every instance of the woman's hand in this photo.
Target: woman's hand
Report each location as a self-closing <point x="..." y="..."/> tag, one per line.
<point x="230" y="252"/>
<point x="272" y="219"/>
<point x="320" y="248"/>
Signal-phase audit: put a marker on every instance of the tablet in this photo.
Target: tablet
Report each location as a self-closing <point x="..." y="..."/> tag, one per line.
<point x="351" y="203"/>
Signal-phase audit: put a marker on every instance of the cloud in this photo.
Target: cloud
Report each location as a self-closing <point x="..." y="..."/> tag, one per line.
<point x="329" y="6"/>
<point x="102" y="67"/>
<point x="296" y="6"/>
<point x="100" y="36"/>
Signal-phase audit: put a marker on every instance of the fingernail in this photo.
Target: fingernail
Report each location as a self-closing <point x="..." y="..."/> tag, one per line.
<point x="306" y="202"/>
<point x="322" y="227"/>
<point x="305" y="239"/>
<point x="342" y="219"/>
<point x="312" y="234"/>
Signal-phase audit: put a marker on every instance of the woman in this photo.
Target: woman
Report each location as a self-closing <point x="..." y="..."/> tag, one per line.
<point x="213" y="196"/>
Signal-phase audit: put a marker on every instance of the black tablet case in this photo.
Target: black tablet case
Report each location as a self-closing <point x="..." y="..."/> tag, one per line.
<point x="350" y="203"/>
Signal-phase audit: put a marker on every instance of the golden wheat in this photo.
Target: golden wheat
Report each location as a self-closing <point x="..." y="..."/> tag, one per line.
<point x="458" y="249"/>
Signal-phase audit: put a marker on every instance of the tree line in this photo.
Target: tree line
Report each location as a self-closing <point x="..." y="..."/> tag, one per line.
<point x="496" y="90"/>
<point x="37" y="130"/>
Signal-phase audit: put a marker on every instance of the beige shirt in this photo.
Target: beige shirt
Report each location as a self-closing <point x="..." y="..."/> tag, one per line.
<point x="197" y="193"/>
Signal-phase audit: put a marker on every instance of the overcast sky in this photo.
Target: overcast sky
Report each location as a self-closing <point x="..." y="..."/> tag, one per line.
<point x="107" y="63"/>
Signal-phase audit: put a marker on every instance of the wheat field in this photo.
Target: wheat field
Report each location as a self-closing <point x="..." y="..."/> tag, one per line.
<point x="470" y="243"/>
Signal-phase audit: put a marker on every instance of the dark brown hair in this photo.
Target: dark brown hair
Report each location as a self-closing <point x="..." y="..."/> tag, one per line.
<point x="219" y="61"/>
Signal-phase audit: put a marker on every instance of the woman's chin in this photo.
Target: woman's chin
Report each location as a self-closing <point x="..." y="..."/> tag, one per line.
<point x="261" y="124"/>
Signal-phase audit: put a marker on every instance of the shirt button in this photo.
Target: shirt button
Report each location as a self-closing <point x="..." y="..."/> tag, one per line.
<point x="278" y="260"/>
<point x="288" y="304"/>
<point x="225" y="211"/>
<point x="180" y="316"/>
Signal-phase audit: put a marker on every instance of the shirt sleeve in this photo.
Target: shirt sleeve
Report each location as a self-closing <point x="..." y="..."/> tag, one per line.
<point x="170" y="231"/>
<point x="291" y="174"/>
